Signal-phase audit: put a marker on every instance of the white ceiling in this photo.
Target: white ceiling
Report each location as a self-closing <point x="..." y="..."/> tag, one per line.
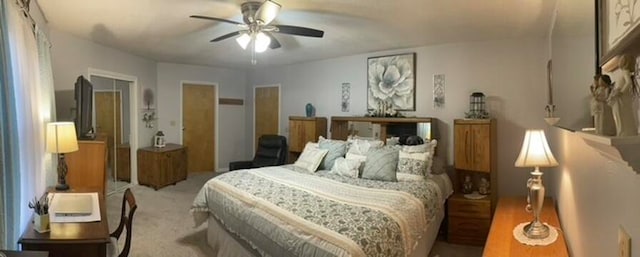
<point x="161" y="30"/>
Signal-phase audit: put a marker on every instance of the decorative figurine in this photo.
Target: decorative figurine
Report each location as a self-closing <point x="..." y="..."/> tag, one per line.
<point x="467" y="186"/>
<point x="621" y="99"/>
<point x="484" y="187"/>
<point x="601" y="112"/>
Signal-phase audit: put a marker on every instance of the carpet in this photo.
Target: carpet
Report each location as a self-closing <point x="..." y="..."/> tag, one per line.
<point x="162" y="224"/>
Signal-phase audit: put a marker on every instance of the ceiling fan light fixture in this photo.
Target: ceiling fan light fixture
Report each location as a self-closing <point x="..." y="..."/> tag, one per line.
<point x="243" y="40"/>
<point x="262" y="42"/>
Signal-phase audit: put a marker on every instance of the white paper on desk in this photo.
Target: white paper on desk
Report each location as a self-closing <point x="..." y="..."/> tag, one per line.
<point x="95" y="213"/>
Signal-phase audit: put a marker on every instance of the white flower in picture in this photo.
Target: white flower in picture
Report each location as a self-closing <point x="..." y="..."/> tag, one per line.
<point x="392" y="79"/>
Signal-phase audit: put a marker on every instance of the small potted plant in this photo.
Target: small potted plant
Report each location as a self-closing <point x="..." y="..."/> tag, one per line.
<point x="41" y="214"/>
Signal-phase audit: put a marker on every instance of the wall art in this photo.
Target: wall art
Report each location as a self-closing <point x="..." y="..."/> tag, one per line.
<point x="438" y="91"/>
<point x="391" y="81"/>
<point x="346" y="96"/>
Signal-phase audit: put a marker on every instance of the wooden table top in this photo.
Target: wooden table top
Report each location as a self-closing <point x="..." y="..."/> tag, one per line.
<point x="87" y="232"/>
<point x="509" y="213"/>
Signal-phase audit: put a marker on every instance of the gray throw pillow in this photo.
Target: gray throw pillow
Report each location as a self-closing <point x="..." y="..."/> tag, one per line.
<point x="336" y="148"/>
<point x="381" y="164"/>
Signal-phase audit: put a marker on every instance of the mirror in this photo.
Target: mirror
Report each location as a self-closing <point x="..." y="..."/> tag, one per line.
<point x="111" y="120"/>
<point x="573" y="56"/>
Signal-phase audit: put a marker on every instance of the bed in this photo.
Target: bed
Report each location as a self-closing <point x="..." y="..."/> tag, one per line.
<point x="283" y="211"/>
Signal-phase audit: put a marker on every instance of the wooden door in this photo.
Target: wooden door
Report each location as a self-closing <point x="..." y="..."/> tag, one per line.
<point x="266" y="111"/>
<point x="109" y="121"/>
<point x="481" y="147"/>
<point x="461" y="139"/>
<point x="198" y="121"/>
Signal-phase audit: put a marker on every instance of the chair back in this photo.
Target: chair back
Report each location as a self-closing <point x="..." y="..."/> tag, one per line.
<point x="126" y="219"/>
<point x="272" y="151"/>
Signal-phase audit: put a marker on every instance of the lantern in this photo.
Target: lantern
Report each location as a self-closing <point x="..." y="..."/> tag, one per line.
<point x="477" y="106"/>
<point x="158" y="140"/>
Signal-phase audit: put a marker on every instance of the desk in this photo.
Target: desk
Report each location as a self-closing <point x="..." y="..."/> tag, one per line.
<point x="509" y="213"/>
<point x="24" y="253"/>
<point x="86" y="239"/>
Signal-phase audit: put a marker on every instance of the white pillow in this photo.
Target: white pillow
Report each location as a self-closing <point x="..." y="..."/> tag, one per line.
<point x="347" y="167"/>
<point x="311" y="157"/>
<point x="415" y="161"/>
<point x="362" y="147"/>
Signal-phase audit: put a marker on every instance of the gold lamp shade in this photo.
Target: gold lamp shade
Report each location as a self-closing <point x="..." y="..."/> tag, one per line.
<point x="61" y="137"/>
<point x="535" y="151"/>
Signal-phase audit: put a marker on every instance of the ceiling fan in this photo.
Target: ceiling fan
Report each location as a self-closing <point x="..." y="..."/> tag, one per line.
<point x="257" y="28"/>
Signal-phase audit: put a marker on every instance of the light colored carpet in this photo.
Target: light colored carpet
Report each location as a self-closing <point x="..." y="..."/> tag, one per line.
<point x="162" y="225"/>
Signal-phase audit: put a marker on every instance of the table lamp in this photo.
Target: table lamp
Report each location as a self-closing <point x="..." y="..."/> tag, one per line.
<point x="61" y="139"/>
<point x="535" y="153"/>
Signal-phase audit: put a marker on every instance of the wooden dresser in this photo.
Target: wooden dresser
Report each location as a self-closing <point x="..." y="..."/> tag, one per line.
<point x="303" y="130"/>
<point x="509" y="213"/>
<point x="88" y="165"/>
<point x="474" y="157"/>
<point x="159" y="167"/>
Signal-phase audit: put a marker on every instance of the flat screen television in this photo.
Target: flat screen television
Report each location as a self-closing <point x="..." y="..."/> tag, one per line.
<point x="84" y="108"/>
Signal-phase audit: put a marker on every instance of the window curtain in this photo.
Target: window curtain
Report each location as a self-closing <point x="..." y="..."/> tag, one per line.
<point x="29" y="104"/>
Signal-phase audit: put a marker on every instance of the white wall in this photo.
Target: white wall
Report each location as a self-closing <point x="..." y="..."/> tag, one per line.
<point x="72" y="56"/>
<point x="230" y="119"/>
<point x="511" y="74"/>
<point x="595" y="196"/>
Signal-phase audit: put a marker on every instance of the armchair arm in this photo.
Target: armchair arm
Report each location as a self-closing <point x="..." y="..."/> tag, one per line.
<point x="238" y="165"/>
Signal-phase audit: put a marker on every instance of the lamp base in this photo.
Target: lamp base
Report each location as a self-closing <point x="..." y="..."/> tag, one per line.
<point x="62" y="187"/>
<point x="536" y="230"/>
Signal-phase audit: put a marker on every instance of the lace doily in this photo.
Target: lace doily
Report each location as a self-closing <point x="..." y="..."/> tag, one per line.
<point x="519" y="235"/>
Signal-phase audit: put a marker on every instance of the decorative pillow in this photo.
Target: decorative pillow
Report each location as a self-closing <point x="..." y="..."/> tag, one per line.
<point x="381" y="164"/>
<point x="346" y="167"/>
<point x="415" y="161"/>
<point x="361" y="147"/>
<point x="412" y="166"/>
<point x="393" y="141"/>
<point x="337" y="149"/>
<point x="310" y="158"/>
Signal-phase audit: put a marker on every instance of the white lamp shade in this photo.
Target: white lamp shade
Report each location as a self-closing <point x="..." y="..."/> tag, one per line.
<point x="535" y="151"/>
<point x="243" y="40"/>
<point x="61" y="137"/>
<point x="262" y="42"/>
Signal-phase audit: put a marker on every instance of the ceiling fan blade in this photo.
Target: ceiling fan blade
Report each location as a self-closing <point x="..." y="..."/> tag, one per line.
<point x="215" y="19"/>
<point x="274" y="42"/>
<point x="223" y="37"/>
<point x="267" y="12"/>
<point x="299" y="31"/>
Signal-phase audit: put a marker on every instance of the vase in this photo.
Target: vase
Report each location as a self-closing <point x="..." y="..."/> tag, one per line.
<point x="310" y="110"/>
<point x="41" y="223"/>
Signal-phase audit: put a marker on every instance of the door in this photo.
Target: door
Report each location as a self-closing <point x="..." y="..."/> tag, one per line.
<point x="109" y="121"/>
<point x="462" y="147"/>
<point x="481" y="147"/>
<point x="198" y="121"/>
<point x="266" y="112"/>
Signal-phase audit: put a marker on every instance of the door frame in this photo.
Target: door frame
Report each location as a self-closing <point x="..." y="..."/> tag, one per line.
<point x="215" y="120"/>
<point x="133" y="115"/>
<point x="94" y="109"/>
<point x="253" y="134"/>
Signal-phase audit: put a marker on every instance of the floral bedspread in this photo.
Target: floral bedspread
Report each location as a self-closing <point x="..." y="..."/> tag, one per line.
<point x="281" y="211"/>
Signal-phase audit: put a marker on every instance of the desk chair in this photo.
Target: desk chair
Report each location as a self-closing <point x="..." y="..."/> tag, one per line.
<point x="125" y="220"/>
<point x="272" y="151"/>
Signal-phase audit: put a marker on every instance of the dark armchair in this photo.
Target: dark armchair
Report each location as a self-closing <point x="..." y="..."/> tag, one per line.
<point x="272" y="151"/>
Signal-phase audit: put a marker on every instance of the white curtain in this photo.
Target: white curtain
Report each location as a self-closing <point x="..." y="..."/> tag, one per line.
<point x="33" y="105"/>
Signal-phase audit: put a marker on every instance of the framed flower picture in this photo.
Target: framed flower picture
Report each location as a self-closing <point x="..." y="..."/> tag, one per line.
<point x="391" y="80"/>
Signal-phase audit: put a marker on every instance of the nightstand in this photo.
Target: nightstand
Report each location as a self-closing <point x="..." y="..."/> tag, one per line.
<point x="509" y="213"/>
<point x="469" y="219"/>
